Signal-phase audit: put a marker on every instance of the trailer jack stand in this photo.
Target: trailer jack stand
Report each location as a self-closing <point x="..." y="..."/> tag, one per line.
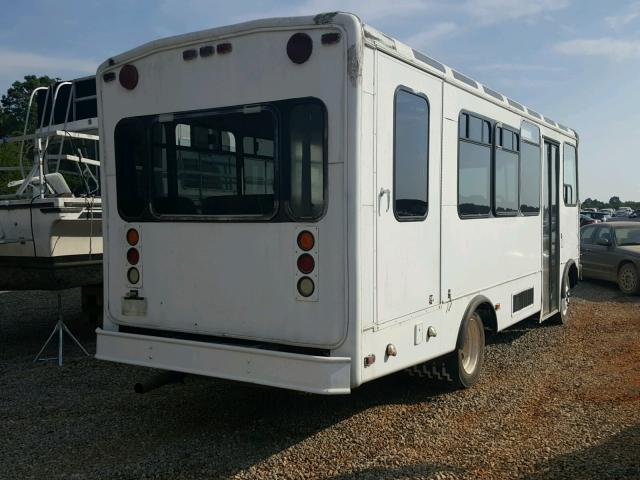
<point x="60" y="328"/>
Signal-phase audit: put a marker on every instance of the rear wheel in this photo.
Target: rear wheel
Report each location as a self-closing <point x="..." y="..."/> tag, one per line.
<point x="628" y="281"/>
<point x="465" y="363"/>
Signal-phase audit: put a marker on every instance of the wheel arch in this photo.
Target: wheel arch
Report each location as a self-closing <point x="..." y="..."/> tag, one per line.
<point x="572" y="273"/>
<point x="485" y="309"/>
<point x="624" y="261"/>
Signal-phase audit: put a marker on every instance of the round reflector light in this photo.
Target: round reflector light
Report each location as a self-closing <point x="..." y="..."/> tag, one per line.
<point x="133" y="256"/>
<point x="128" y="77"/>
<point x="133" y="237"/>
<point x="133" y="275"/>
<point x="306" y="241"/>
<point x="299" y="47"/>
<point x="306" y="287"/>
<point x="306" y="263"/>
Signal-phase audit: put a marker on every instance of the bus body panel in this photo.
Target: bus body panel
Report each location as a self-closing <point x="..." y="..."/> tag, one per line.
<point x="235" y="279"/>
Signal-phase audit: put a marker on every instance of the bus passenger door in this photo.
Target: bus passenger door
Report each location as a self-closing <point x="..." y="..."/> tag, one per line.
<point x="408" y="157"/>
<point x="550" y="229"/>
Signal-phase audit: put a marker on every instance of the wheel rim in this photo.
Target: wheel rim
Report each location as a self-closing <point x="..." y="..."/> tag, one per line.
<point x="470" y="353"/>
<point x="628" y="280"/>
<point x="566" y="295"/>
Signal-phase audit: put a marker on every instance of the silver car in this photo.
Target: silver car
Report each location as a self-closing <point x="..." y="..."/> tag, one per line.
<point x="611" y="251"/>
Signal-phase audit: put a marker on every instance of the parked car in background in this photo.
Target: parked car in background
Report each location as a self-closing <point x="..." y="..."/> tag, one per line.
<point x="623" y="212"/>
<point x="587" y="220"/>
<point x="635" y="214"/>
<point x="611" y="251"/>
<point x="589" y="210"/>
<point x="607" y="210"/>
<point x="603" y="217"/>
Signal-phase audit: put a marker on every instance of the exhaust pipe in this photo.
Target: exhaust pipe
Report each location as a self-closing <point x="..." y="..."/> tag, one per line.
<point x="158" y="381"/>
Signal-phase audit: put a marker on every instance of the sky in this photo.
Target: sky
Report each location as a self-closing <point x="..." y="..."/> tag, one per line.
<point x="576" y="61"/>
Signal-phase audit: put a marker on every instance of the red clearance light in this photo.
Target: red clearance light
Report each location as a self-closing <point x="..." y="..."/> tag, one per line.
<point x="128" y="77"/>
<point x="189" y="54"/>
<point x="133" y="237"/>
<point x="223" y="48"/>
<point x="330" y="38"/>
<point x="299" y="47"/>
<point x="306" y="241"/>
<point x="306" y="263"/>
<point x="109" y="76"/>
<point x="133" y="256"/>
<point x="207" y="51"/>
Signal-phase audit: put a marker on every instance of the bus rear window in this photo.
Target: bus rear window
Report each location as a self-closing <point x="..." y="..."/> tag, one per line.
<point x="223" y="163"/>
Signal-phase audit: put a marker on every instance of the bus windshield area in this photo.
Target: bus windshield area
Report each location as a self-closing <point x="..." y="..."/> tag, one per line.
<point x="252" y="162"/>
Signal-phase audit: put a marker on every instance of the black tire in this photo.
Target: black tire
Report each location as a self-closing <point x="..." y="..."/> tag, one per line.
<point x="628" y="280"/>
<point x="565" y="300"/>
<point x="465" y="363"/>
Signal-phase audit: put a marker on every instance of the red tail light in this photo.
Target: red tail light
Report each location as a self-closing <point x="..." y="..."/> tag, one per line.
<point x="133" y="256"/>
<point x="306" y="263"/>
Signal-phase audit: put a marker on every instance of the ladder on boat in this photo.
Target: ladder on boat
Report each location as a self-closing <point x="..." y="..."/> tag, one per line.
<point x="51" y="133"/>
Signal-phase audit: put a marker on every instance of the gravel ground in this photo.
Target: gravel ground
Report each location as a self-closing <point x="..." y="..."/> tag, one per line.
<point x="553" y="402"/>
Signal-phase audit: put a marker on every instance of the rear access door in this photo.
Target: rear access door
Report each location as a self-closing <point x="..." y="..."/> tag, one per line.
<point x="408" y="152"/>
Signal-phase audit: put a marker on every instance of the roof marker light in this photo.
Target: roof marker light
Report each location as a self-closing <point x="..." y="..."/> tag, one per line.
<point x="223" y="48"/>
<point x="189" y="54"/>
<point x="299" y="47"/>
<point x="207" y="51"/>
<point x="128" y="77"/>
<point x="330" y="38"/>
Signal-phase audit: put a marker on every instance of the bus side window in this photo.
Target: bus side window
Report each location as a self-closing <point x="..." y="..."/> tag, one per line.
<point x="529" y="169"/>
<point x="411" y="156"/>
<point x="307" y="160"/>
<point x="570" y="175"/>
<point x="474" y="167"/>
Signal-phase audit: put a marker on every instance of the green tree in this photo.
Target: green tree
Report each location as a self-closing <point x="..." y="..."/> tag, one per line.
<point x="615" y="202"/>
<point x="14" y="104"/>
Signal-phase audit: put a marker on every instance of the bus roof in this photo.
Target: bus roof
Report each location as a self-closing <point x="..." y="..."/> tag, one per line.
<point x="370" y="36"/>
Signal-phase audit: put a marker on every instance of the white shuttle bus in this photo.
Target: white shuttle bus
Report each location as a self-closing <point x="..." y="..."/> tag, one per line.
<point x="307" y="203"/>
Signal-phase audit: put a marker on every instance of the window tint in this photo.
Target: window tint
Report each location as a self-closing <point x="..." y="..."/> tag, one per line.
<point x="131" y="152"/>
<point x="604" y="233"/>
<point x="628" y="235"/>
<point x="530" y="169"/>
<point x="505" y="178"/>
<point x="570" y="176"/>
<point x="199" y="167"/>
<point x="307" y="160"/>
<point x="223" y="162"/>
<point x="474" y="167"/>
<point x="411" y="152"/>
<point x="586" y="235"/>
<point x="530" y="179"/>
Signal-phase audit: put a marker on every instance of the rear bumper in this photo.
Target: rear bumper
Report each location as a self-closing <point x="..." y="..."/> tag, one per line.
<point x="308" y="373"/>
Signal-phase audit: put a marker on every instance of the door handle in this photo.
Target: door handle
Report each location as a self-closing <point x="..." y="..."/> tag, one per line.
<point x="383" y="192"/>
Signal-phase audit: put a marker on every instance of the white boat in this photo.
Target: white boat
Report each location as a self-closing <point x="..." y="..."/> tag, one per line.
<point x="51" y="227"/>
